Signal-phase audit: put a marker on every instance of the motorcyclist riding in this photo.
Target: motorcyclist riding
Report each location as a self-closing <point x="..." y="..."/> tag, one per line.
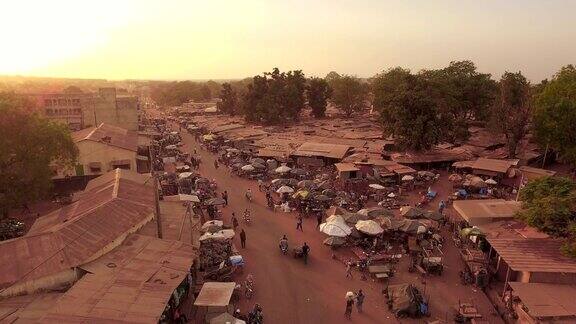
<point x="247" y="216"/>
<point x="284" y="244"/>
<point x="249" y="194"/>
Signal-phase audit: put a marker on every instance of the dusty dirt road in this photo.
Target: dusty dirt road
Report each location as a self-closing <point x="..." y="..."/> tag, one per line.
<point x="291" y="292"/>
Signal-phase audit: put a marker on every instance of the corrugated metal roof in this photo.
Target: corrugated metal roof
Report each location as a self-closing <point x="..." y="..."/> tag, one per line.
<point x="109" y="135"/>
<point x="334" y="151"/>
<point x="486" y="208"/>
<point x="533" y="255"/>
<point x="346" y="167"/>
<point x="546" y="300"/>
<point x="494" y="165"/>
<point x="133" y="283"/>
<point x="74" y="234"/>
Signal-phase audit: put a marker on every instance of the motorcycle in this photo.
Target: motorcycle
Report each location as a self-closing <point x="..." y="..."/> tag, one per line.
<point x="284" y="248"/>
<point x="249" y="286"/>
<point x="256" y="316"/>
<point x="246" y="218"/>
<point x="249" y="196"/>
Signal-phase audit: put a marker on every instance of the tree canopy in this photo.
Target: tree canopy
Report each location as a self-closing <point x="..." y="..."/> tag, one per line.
<point x="275" y="97"/>
<point x="178" y="92"/>
<point x="408" y="109"/>
<point x="555" y="114"/>
<point x="318" y="92"/>
<point x="511" y="113"/>
<point x="29" y="145"/>
<point x="549" y="204"/>
<point x="229" y="103"/>
<point x="348" y="93"/>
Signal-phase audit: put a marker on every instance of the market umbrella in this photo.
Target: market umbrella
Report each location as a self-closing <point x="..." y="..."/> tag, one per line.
<point x="279" y="180"/>
<point x="391" y="195"/>
<point x="491" y="182"/>
<point x="369" y="227"/>
<point x="322" y="198"/>
<point x="334" y="241"/>
<point x="212" y="226"/>
<point x="226" y="318"/>
<point x="353" y="218"/>
<point x="306" y="183"/>
<point x="470" y="231"/>
<point x="236" y="160"/>
<point x="373" y="212"/>
<point x="284" y="189"/>
<point x="200" y="180"/>
<point x="335" y="219"/>
<point x="301" y="193"/>
<point x="215" y="201"/>
<point x="282" y="169"/>
<point x="329" y="192"/>
<point x="411" y="212"/>
<point x="208" y="137"/>
<point x="477" y="182"/>
<point x="232" y="150"/>
<point x="257" y="160"/>
<point x="171" y="147"/>
<point x="258" y="166"/>
<point x="376" y="186"/>
<point x="185" y="175"/>
<point x="248" y="167"/>
<point x="192" y="198"/>
<point x="219" y="235"/>
<point x="298" y="171"/>
<point x="335" y="229"/>
<point x="426" y="174"/>
<point x="455" y="177"/>
<point x="407" y="178"/>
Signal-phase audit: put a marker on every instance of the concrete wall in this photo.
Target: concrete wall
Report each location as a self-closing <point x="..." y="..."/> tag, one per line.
<point x="107" y="107"/>
<point x="90" y="151"/>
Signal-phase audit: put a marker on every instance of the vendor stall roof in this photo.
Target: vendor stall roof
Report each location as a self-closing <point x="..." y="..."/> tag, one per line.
<point x="486" y="211"/>
<point x="132" y="283"/>
<point x="334" y="151"/>
<point x="500" y="166"/>
<point x="546" y="300"/>
<point x="346" y="167"/>
<point x="511" y="229"/>
<point x="215" y="294"/>
<point x="531" y="173"/>
<point x="533" y="255"/>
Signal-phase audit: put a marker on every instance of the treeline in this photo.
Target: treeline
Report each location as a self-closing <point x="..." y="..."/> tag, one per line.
<point x="178" y="92"/>
<point x="421" y="109"/>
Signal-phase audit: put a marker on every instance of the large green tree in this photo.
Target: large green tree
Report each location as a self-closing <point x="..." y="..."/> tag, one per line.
<point x="349" y="94"/>
<point x="463" y="94"/>
<point x="29" y="146"/>
<point x="555" y="114"/>
<point x="511" y="113"/>
<point x="229" y="102"/>
<point x="549" y="204"/>
<point x="409" y="109"/>
<point x="275" y="97"/>
<point x="318" y="92"/>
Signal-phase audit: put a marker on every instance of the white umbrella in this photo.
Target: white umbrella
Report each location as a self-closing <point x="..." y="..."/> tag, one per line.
<point x="369" y="227"/>
<point x="285" y="189"/>
<point x="376" y="186"/>
<point x="226" y="318"/>
<point x="335" y="229"/>
<point x="335" y="219"/>
<point x="407" y="178"/>
<point x="220" y="235"/>
<point x="192" y="198"/>
<point x="491" y="182"/>
<point x="283" y="169"/>
<point x="248" y="167"/>
<point x="185" y="175"/>
<point x="391" y="195"/>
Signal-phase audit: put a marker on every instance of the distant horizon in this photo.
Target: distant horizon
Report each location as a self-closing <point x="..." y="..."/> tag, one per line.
<point x="176" y="40"/>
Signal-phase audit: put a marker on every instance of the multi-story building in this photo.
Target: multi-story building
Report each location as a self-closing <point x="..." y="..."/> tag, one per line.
<point x="81" y="110"/>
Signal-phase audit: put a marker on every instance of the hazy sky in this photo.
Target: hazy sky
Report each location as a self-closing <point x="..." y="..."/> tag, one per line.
<point x="189" y="39"/>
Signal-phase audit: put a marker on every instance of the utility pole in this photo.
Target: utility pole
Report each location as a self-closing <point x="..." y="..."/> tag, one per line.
<point x="157" y="213"/>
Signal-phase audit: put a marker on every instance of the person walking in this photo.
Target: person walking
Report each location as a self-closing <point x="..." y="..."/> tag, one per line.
<point x="360" y="300"/>
<point x="216" y="164"/>
<point x="349" y="270"/>
<point x="234" y="221"/>
<point x="243" y="239"/>
<point x="225" y="197"/>
<point x="319" y="218"/>
<point x="305" y="251"/>
<point x="349" y="305"/>
<point x="299" y="223"/>
<point x="441" y="206"/>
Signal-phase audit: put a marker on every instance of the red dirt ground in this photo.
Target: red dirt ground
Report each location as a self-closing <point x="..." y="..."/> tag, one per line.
<point x="291" y="292"/>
